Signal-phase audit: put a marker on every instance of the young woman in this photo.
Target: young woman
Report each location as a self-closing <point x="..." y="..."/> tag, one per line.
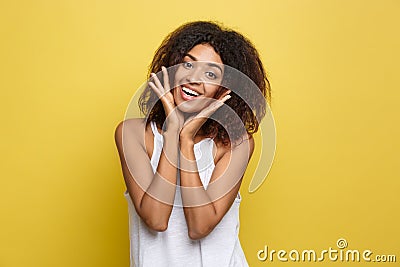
<point x="183" y="164"/>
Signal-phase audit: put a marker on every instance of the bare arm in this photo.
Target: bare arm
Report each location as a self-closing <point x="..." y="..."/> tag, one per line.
<point x="152" y="193"/>
<point x="221" y="192"/>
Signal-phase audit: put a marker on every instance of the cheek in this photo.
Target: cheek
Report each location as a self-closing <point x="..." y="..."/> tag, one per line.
<point x="180" y="74"/>
<point x="214" y="91"/>
<point x="177" y="78"/>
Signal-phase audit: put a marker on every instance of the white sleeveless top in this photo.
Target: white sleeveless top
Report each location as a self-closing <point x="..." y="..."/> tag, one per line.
<point x="173" y="247"/>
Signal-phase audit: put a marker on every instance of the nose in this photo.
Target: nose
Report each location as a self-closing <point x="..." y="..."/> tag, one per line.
<point x="194" y="76"/>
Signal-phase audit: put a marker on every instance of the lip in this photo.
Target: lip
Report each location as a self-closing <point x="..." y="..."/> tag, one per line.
<point x="185" y="96"/>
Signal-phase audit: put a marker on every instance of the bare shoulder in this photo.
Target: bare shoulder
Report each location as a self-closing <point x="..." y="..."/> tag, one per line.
<point x="130" y="128"/>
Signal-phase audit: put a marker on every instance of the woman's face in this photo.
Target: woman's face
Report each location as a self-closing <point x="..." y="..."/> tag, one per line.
<point x="197" y="79"/>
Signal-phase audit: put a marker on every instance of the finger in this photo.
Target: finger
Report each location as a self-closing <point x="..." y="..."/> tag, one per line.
<point x="155" y="89"/>
<point x="226" y="97"/>
<point x="219" y="102"/>
<point x="166" y="79"/>
<point x="157" y="82"/>
<point x="166" y="103"/>
<point x="213" y="107"/>
<point x="199" y="118"/>
<point x="224" y="94"/>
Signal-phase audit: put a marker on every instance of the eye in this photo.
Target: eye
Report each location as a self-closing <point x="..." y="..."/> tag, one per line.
<point x="211" y="75"/>
<point x="187" y="65"/>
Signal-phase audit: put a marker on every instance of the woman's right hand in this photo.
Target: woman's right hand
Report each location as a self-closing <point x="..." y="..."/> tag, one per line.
<point x="174" y="118"/>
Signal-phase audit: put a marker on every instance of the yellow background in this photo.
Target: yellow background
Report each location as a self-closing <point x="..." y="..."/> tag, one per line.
<point x="69" y="69"/>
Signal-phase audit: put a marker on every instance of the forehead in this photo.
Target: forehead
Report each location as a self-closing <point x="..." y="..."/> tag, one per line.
<point x="205" y="52"/>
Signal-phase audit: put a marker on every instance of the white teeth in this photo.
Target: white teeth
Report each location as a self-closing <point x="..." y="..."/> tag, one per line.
<point x="187" y="90"/>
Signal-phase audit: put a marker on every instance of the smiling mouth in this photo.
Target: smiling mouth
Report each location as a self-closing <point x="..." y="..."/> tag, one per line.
<point x="189" y="92"/>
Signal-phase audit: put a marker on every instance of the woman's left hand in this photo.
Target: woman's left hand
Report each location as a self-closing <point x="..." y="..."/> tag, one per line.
<point x="193" y="125"/>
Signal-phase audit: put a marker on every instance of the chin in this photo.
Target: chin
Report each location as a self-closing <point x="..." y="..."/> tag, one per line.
<point x="186" y="107"/>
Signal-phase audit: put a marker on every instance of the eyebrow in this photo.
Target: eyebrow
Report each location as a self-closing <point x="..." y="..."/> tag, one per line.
<point x="209" y="64"/>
